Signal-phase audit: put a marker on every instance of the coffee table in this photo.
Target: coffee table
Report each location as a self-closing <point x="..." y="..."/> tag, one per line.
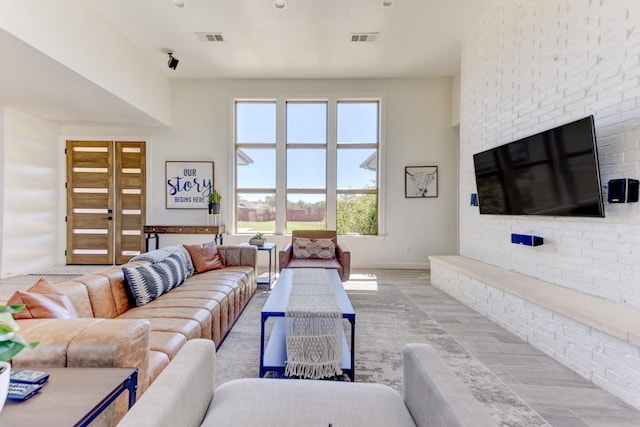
<point x="273" y="356"/>
<point x="71" y="397"/>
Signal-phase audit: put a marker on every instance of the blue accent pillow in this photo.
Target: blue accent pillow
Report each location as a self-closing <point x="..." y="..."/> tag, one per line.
<point x="148" y="282"/>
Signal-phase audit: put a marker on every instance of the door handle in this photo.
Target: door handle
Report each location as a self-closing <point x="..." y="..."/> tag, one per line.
<point x="108" y="218"/>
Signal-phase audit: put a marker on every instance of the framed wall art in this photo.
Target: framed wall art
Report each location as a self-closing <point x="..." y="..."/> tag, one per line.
<point x="420" y="181"/>
<point x="188" y="184"/>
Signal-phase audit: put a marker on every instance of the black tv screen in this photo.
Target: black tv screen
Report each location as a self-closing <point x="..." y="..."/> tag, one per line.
<point x="553" y="173"/>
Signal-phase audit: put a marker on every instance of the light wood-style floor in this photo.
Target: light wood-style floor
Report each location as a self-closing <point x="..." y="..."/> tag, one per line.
<point x="559" y="395"/>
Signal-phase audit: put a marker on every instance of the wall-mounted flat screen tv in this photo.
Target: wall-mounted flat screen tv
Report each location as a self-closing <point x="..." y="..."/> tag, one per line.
<point x="553" y="173"/>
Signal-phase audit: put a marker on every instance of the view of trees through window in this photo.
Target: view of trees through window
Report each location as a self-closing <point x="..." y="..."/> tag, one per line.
<point x="298" y="168"/>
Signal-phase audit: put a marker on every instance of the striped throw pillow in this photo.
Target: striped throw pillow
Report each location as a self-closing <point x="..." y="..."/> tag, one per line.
<point x="148" y="282"/>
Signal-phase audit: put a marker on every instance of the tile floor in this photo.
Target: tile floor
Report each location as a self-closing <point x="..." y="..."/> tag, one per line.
<point x="560" y="396"/>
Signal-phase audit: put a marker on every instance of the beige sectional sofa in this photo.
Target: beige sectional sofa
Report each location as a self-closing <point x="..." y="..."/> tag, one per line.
<point x="433" y="397"/>
<point x="110" y="331"/>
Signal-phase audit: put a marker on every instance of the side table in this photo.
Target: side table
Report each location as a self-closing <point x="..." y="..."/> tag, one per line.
<point x="71" y="397"/>
<point x="271" y="248"/>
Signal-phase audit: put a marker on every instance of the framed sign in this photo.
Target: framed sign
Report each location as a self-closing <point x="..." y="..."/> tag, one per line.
<point x="420" y="181"/>
<point x="188" y="184"/>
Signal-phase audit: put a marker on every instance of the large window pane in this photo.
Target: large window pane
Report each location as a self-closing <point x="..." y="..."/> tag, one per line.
<point x="256" y="122"/>
<point x="299" y="162"/>
<point x="357" y="214"/>
<point x="307" y="122"/>
<point x="357" y="168"/>
<point x="256" y="168"/>
<point x="256" y="212"/>
<point x="358" y="122"/>
<point x="306" y="212"/>
<point x="306" y="168"/>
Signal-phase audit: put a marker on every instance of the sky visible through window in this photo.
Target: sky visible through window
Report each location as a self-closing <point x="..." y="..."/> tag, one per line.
<point x="357" y="123"/>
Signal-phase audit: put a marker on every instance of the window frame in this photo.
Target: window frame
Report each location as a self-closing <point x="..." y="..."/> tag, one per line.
<point x="281" y="190"/>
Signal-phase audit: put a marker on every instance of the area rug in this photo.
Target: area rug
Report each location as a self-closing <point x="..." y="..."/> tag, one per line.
<point x="386" y="319"/>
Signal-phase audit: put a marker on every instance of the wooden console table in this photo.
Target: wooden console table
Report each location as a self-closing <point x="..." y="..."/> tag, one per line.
<point x="152" y="232"/>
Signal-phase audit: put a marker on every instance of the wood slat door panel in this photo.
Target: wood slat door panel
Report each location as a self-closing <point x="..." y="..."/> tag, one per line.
<point x="89" y="202"/>
<point x="105" y="201"/>
<point x="96" y="201"/>
<point x="130" y="177"/>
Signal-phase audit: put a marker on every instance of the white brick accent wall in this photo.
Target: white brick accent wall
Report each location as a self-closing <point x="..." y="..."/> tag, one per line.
<point x="530" y="65"/>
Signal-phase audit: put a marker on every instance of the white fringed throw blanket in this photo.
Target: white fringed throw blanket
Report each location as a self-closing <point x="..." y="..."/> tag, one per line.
<point x="313" y="326"/>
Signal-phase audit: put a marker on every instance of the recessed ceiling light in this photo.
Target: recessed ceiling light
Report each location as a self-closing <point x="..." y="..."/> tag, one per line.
<point x="279" y="4"/>
<point x="178" y="3"/>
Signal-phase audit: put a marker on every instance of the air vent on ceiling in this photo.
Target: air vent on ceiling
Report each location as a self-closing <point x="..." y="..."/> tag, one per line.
<point x="210" y="37"/>
<point x="364" y="37"/>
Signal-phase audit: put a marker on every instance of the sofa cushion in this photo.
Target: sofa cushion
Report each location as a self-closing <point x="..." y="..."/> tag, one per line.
<point x="205" y="257"/>
<point x="309" y="402"/>
<point x="314" y="248"/>
<point x="43" y="301"/>
<point x="147" y="282"/>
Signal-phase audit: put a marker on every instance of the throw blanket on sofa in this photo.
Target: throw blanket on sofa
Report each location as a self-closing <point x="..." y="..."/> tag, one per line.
<point x="313" y="326"/>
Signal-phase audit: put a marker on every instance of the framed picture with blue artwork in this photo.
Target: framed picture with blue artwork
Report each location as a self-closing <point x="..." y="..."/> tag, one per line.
<point x="420" y="182"/>
<point x="188" y="184"/>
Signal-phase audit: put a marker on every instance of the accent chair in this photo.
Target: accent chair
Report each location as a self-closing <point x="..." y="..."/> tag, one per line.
<point x="316" y="249"/>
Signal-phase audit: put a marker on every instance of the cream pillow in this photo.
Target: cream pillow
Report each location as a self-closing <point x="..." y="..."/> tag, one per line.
<point x="312" y="248"/>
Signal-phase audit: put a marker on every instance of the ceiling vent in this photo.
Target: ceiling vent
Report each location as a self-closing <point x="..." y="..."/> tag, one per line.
<point x="364" y="37"/>
<point x="210" y="37"/>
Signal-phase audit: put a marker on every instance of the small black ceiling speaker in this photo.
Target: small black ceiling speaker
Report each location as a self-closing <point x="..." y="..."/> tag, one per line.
<point x="173" y="62"/>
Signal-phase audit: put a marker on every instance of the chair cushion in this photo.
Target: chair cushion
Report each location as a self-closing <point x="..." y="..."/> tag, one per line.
<point x="314" y="248"/>
<point x="205" y="257"/>
<point x="147" y="282"/>
<point x="43" y="301"/>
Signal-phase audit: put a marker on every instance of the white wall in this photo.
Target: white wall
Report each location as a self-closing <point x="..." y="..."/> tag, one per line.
<point x="74" y="34"/>
<point x="532" y="65"/>
<point x="31" y="215"/>
<point x="416" y="131"/>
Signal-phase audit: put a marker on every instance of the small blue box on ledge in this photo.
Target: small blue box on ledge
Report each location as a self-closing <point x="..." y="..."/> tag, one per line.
<point x="526" y="239"/>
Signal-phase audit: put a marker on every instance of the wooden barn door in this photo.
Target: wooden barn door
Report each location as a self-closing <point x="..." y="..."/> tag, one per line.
<point x="105" y="201"/>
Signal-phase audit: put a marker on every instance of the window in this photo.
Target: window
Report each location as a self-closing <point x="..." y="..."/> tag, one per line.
<point x="255" y="131"/>
<point x="306" y="164"/>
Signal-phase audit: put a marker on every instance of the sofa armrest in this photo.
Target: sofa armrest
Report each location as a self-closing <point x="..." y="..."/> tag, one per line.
<point x="285" y="255"/>
<point x="435" y="396"/>
<point x="181" y="394"/>
<point x="344" y="257"/>
<point x="109" y="343"/>
<point x="239" y="255"/>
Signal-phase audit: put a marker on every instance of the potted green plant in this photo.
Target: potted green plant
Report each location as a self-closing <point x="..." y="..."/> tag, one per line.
<point x="214" y="202"/>
<point x="11" y="343"/>
<point x="258" y="239"/>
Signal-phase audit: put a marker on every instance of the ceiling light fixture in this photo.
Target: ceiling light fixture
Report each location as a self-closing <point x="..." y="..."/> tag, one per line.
<point x="173" y="62"/>
<point x="387" y="3"/>
<point x="279" y="4"/>
<point x="178" y="3"/>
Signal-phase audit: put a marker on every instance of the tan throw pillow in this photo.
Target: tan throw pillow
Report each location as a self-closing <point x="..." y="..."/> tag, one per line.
<point x="43" y="301"/>
<point x="205" y="257"/>
<point x="314" y="248"/>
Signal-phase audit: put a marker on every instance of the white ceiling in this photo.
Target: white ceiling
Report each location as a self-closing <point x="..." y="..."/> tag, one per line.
<point x="306" y="39"/>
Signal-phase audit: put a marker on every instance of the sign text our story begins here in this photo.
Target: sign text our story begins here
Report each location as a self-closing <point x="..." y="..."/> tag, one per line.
<point x="189" y="185"/>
